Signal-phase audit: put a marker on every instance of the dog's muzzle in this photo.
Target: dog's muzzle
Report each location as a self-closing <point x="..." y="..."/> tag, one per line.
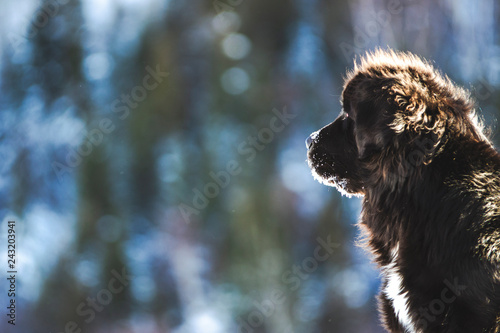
<point x="311" y="139"/>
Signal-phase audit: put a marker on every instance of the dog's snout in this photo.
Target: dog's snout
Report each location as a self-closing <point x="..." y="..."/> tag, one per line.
<point x="311" y="139"/>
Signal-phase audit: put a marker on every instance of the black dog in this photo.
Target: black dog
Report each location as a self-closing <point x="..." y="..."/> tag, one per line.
<point x="408" y="141"/>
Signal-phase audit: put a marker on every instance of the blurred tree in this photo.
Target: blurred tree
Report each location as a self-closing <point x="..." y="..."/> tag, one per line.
<point x="58" y="58"/>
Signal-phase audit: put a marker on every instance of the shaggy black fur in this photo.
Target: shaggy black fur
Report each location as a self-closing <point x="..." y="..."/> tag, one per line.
<point x="409" y="142"/>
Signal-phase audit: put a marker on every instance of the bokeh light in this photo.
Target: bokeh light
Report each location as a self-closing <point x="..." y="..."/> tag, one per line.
<point x="236" y="46"/>
<point x="235" y="81"/>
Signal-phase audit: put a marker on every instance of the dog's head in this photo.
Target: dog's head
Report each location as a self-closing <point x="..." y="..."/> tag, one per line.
<point x="398" y="112"/>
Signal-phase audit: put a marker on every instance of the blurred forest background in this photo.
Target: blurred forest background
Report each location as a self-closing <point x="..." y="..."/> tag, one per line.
<point x="152" y="154"/>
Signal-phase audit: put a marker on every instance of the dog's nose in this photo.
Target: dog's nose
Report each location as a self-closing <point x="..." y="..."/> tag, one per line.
<point x="311" y="139"/>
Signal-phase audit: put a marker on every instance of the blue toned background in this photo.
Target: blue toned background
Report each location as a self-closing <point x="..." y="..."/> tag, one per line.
<point x="152" y="153"/>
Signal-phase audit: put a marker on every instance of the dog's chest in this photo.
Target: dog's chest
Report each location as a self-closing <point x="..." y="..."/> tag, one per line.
<point x="395" y="292"/>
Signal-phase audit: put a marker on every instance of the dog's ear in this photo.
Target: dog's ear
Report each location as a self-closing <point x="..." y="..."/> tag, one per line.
<point x="372" y="133"/>
<point x="420" y="119"/>
<point x="365" y="102"/>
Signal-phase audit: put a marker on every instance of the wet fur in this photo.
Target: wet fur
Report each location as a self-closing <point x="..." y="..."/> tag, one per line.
<point x="408" y="141"/>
